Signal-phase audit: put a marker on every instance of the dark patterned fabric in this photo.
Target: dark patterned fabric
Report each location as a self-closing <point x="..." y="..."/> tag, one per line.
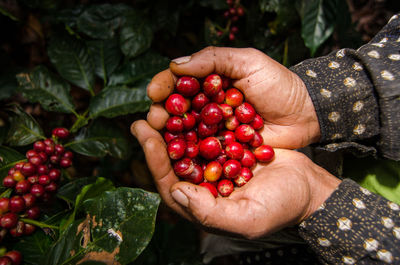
<point x="356" y="94"/>
<point x="354" y="226"/>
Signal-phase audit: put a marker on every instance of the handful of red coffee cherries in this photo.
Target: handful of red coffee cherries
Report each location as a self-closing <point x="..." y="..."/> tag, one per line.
<point x="212" y="134"/>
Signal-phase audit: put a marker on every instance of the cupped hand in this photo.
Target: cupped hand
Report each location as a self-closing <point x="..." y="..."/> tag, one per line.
<point x="282" y="192"/>
<point x="277" y="94"/>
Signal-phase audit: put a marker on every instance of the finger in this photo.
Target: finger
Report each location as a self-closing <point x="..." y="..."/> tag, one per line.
<point x="158" y="162"/>
<point x="231" y="62"/>
<point x="235" y="214"/>
<point x="157" y="116"/>
<point x="161" y="86"/>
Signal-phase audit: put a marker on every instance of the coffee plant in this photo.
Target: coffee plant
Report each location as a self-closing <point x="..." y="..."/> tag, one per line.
<point x="75" y="188"/>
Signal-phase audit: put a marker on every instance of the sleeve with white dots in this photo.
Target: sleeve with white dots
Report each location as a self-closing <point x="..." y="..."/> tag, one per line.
<point x="354" y="226"/>
<point x="356" y="94"/>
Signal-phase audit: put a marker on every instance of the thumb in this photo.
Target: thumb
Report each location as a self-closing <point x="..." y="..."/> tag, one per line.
<point x="231" y="62"/>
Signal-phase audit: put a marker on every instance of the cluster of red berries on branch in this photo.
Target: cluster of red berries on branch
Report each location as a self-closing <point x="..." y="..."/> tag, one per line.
<point x="232" y="14"/>
<point x="212" y="134"/>
<point x="32" y="181"/>
<point x="12" y="257"/>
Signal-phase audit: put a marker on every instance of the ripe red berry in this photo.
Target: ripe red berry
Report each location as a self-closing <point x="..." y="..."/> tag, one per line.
<point x="219" y="98"/>
<point x="49" y="149"/>
<point x="187" y="86"/>
<point x="9" y="182"/>
<point x="42" y="169"/>
<point x="244" y="133"/>
<point x="257" y="123"/>
<point x="257" y="140"/>
<point x="189" y="121"/>
<point x="51" y="187"/>
<point x="227" y="137"/>
<point x="240" y="11"/>
<point x="248" y="159"/>
<point x="191" y="136"/>
<point x="29" y="229"/>
<point x="176" y="104"/>
<point x="244" y="176"/>
<point x="44" y="180"/>
<point x="43" y="156"/>
<point x="18" y="230"/>
<point x="192" y="150"/>
<point x="231" y="36"/>
<point x="168" y="136"/>
<point x="37" y="190"/>
<point x="234" y="151"/>
<point x="33" y="179"/>
<point x="245" y="112"/>
<point x="60" y="132"/>
<point x="29" y="168"/>
<point x="5" y="261"/>
<point x="196" y="176"/>
<point x="213" y="171"/>
<point x="227" y="111"/>
<point x="4" y="202"/>
<point x="196" y="115"/>
<point x="212" y="85"/>
<point x="174" y="124"/>
<point x="183" y="167"/>
<point x="39" y="146"/>
<point x="211" y="188"/>
<point x="199" y="101"/>
<point x="231" y="168"/>
<point x="68" y="154"/>
<point x="221" y="158"/>
<point x="232" y="123"/>
<point x="29" y="200"/>
<point x="211" y="114"/>
<point x="234" y="29"/>
<point x="225" y="187"/>
<point x="9" y="220"/>
<point x="176" y="148"/>
<point x="65" y="162"/>
<point x="33" y="213"/>
<point x="55" y="174"/>
<point x="204" y="130"/>
<point x="16" y="204"/>
<point x="11" y="171"/>
<point x="233" y="97"/>
<point x="19" y="165"/>
<point x="30" y="153"/>
<point x="264" y="153"/>
<point x="59" y="149"/>
<point x="48" y="142"/>
<point x="15" y="256"/>
<point x="22" y="186"/>
<point x="210" y="148"/>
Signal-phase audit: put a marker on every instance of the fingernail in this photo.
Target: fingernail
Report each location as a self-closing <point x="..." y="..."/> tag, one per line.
<point x="180" y="198"/>
<point x="182" y="60"/>
<point x="133" y="129"/>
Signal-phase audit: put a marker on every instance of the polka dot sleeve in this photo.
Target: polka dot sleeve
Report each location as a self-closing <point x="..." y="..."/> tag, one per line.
<point x="354" y="226"/>
<point x="356" y="94"/>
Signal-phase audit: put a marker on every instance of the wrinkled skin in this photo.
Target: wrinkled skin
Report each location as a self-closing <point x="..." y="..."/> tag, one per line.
<point x="282" y="192"/>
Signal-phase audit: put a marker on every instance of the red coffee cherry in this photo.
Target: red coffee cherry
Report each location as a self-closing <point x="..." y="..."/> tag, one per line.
<point x="244" y="176"/>
<point x="9" y="182"/>
<point x="225" y="187"/>
<point x="55" y="174"/>
<point x="29" y="200"/>
<point x="33" y="179"/>
<point x="5" y="261"/>
<point x="168" y="136"/>
<point x="22" y="186"/>
<point x="196" y="176"/>
<point x="4" y="202"/>
<point x="212" y="85"/>
<point x="227" y="110"/>
<point x="191" y="136"/>
<point x="204" y="130"/>
<point x="15" y="256"/>
<point x="39" y="146"/>
<point x="264" y="153"/>
<point x="245" y="113"/>
<point x="51" y="187"/>
<point x="29" y="229"/>
<point x="192" y="150"/>
<point x="234" y="151"/>
<point x="65" y="162"/>
<point x="213" y="171"/>
<point x="30" y="153"/>
<point x="183" y="167"/>
<point x="189" y="121"/>
<point x="37" y="190"/>
<point x="248" y="159"/>
<point x="60" y="132"/>
<point x="42" y="169"/>
<point x="16" y="204"/>
<point x="244" y="133"/>
<point x="176" y="104"/>
<point x="29" y="168"/>
<point x="44" y="180"/>
<point x="211" y="188"/>
<point x="33" y="213"/>
<point x="231" y="168"/>
<point x="257" y="140"/>
<point x="211" y="114"/>
<point x="176" y="148"/>
<point x="210" y="148"/>
<point x="219" y="98"/>
<point x="18" y="230"/>
<point x="174" y="124"/>
<point x="9" y="220"/>
<point x="257" y="123"/>
<point x="68" y="154"/>
<point x="199" y="101"/>
<point x="187" y="86"/>
<point x="233" y="97"/>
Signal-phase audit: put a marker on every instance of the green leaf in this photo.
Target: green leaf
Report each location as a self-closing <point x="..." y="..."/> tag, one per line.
<point x="8" y="158"/>
<point x="116" y="101"/>
<point x="24" y="129"/>
<point x="318" y="22"/>
<point x="136" y="36"/>
<point x="101" y="138"/>
<point x="8" y="85"/>
<point x="144" y="66"/>
<point x="70" y="191"/>
<point x="106" y="57"/>
<point x="34" y="248"/>
<point x="102" y="21"/>
<point x="118" y="227"/>
<point x="71" y="58"/>
<point x="44" y="87"/>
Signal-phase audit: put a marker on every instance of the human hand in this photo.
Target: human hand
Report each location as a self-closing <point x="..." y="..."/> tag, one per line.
<point x="277" y="94"/>
<point x="281" y="193"/>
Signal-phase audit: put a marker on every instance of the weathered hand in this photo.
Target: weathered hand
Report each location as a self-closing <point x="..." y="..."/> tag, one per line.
<point x="283" y="192"/>
<point x="278" y="94"/>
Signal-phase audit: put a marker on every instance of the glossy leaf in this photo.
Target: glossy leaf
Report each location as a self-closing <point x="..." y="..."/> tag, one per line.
<point x="118" y="226"/>
<point x="318" y="22"/>
<point x="34" y="248"/>
<point x="44" y="87"/>
<point x="106" y="57"/>
<point x="136" y="36"/>
<point x="100" y="139"/>
<point x="71" y="58"/>
<point x="102" y="21"/>
<point x="115" y="101"/>
<point x="70" y="190"/>
<point x="24" y="129"/>
<point x="8" y="158"/>
<point x="8" y="85"/>
<point x="144" y="66"/>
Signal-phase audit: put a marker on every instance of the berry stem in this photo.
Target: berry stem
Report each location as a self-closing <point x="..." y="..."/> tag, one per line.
<point x="6" y="193"/>
<point x="38" y="224"/>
